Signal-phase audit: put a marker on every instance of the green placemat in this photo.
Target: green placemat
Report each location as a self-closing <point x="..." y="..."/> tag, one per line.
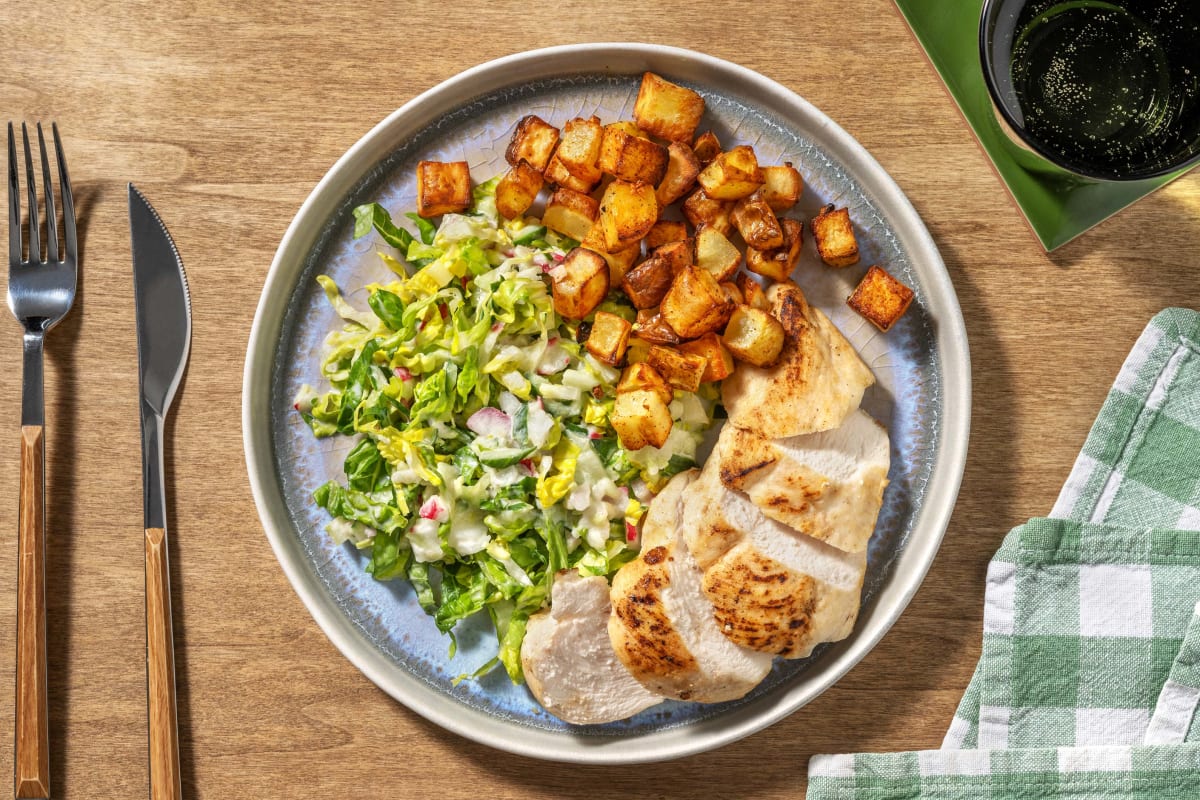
<point x="1058" y="205"/>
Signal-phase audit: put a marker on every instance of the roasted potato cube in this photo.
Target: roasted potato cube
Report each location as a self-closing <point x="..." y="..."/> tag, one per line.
<point x="733" y="292"/>
<point x="778" y="263"/>
<point x="682" y="169"/>
<point x="667" y="110"/>
<point x="648" y="282"/>
<point x="781" y="186"/>
<point x="629" y="157"/>
<point x="718" y="360"/>
<point x="558" y="174"/>
<point x="715" y="254"/>
<point x="880" y="298"/>
<point x="757" y="223"/>
<point x="706" y="147"/>
<point x="628" y="211"/>
<point x="684" y="371"/>
<point x="732" y="175"/>
<point x="651" y="327"/>
<point x="695" y="304"/>
<point x="609" y="337"/>
<point x="834" y="237"/>
<point x="642" y="376"/>
<point x="570" y="213"/>
<point x="754" y="336"/>
<point x="665" y="231"/>
<point x="534" y="141"/>
<point x="619" y="262"/>
<point x="641" y="418"/>
<point x="700" y="209"/>
<point x="579" y="148"/>
<point x="752" y="292"/>
<point x="517" y="190"/>
<point x="677" y="254"/>
<point x="579" y="283"/>
<point x="443" y="187"/>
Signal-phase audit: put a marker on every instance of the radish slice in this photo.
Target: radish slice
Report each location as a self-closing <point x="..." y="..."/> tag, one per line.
<point x="489" y="421"/>
<point x="435" y="509"/>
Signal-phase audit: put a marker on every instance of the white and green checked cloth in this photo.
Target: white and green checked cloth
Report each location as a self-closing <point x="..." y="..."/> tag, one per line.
<point x="1089" y="680"/>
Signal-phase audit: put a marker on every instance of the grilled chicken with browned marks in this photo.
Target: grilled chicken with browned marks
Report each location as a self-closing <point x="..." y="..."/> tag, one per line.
<point x="817" y="381"/>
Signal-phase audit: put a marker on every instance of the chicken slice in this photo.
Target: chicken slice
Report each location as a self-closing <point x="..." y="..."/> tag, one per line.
<point x="662" y="626"/>
<point x="569" y="663"/>
<point x="828" y="485"/>
<point x="818" y="380"/>
<point x="772" y="589"/>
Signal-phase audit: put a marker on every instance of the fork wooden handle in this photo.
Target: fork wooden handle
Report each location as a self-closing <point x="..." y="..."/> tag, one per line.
<point x="160" y="655"/>
<point x="32" y="756"/>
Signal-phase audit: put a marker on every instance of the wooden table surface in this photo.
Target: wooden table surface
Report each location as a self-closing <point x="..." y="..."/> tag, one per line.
<point x="227" y="115"/>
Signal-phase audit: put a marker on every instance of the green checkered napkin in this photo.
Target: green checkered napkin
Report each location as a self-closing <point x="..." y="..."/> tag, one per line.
<point x="1086" y="686"/>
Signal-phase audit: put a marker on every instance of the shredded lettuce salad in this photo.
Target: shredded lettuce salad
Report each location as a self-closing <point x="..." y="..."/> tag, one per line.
<point x="484" y="460"/>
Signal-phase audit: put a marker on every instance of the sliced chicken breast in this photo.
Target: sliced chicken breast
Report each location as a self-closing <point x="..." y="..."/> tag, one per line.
<point x="662" y="626"/>
<point x="569" y="663"/>
<point x="772" y="589"/>
<point x="828" y="485"/>
<point x="818" y="380"/>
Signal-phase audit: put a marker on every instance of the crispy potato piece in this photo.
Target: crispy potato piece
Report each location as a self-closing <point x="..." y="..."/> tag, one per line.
<point x="754" y="336"/>
<point x="579" y="148"/>
<point x="628" y="211"/>
<point x="682" y="169"/>
<point x="570" y="213"/>
<point x="534" y="141"/>
<point x="695" y="304"/>
<point x="642" y="376"/>
<point x="706" y="147"/>
<point x="718" y="359"/>
<point x="715" y="254"/>
<point x="778" y="263"/>
<point x="517" y="190"/>
<point x="684" y="371"/>
<point x="756" y="222"/>
<point x="700" y="209"/>
<point x="648" y="282"/>
<point x="752" y="292"/>
<point x="677" y="254"/>
<point x="781" y="186"/>
<point x="442" y="187"/>
<point x="665" y="231"/>
<point x="641" y="418"/>
<point x="630" y="157"/>
<point x="666" y="109"/>
<point x="880" y="298"/>
<point x="733" y="292"/>
<point x="834" y="236"/>
<point x="609" y="337"/>
<point x="579" y="283"/>
<point x="651" y="327"/>
<point x="732" y="175"/>
<point x="619" y="262"/>
<point x="558" y="174"/>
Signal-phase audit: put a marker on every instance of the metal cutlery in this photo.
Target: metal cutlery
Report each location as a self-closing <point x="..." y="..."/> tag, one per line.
<point x="164" y="329"/>
<point x="40" y="293"/>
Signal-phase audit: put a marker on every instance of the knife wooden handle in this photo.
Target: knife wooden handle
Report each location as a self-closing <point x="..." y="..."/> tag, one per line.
<point x="160" y="670"/>
<point x="32" y="756"/>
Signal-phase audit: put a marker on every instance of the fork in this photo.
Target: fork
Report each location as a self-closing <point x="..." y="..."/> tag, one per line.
<point x="40" y="293"/>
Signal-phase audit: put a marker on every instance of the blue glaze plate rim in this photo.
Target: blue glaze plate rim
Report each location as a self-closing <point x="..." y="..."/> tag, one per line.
<point x="923" y="393"/>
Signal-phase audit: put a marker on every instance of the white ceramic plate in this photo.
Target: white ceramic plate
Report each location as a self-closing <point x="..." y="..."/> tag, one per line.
<point x="922" y="365"/>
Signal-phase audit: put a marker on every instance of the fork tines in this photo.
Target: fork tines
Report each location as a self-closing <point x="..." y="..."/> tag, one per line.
<point x="15" y="243"/>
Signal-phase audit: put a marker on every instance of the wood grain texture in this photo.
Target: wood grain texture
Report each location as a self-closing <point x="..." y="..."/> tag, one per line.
<point x="227" y="115"/>
<point x="31" y="774"/>
<point x="162" y="716"/>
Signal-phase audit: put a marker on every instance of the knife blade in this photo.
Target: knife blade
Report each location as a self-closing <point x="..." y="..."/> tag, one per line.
<point x="164" y="332"/>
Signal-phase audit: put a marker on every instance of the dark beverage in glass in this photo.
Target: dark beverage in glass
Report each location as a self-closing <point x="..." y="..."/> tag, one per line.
<point x="1105" y="89"/>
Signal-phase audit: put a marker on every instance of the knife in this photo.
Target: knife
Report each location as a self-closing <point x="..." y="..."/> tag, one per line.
<point x="164" y="331"/>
